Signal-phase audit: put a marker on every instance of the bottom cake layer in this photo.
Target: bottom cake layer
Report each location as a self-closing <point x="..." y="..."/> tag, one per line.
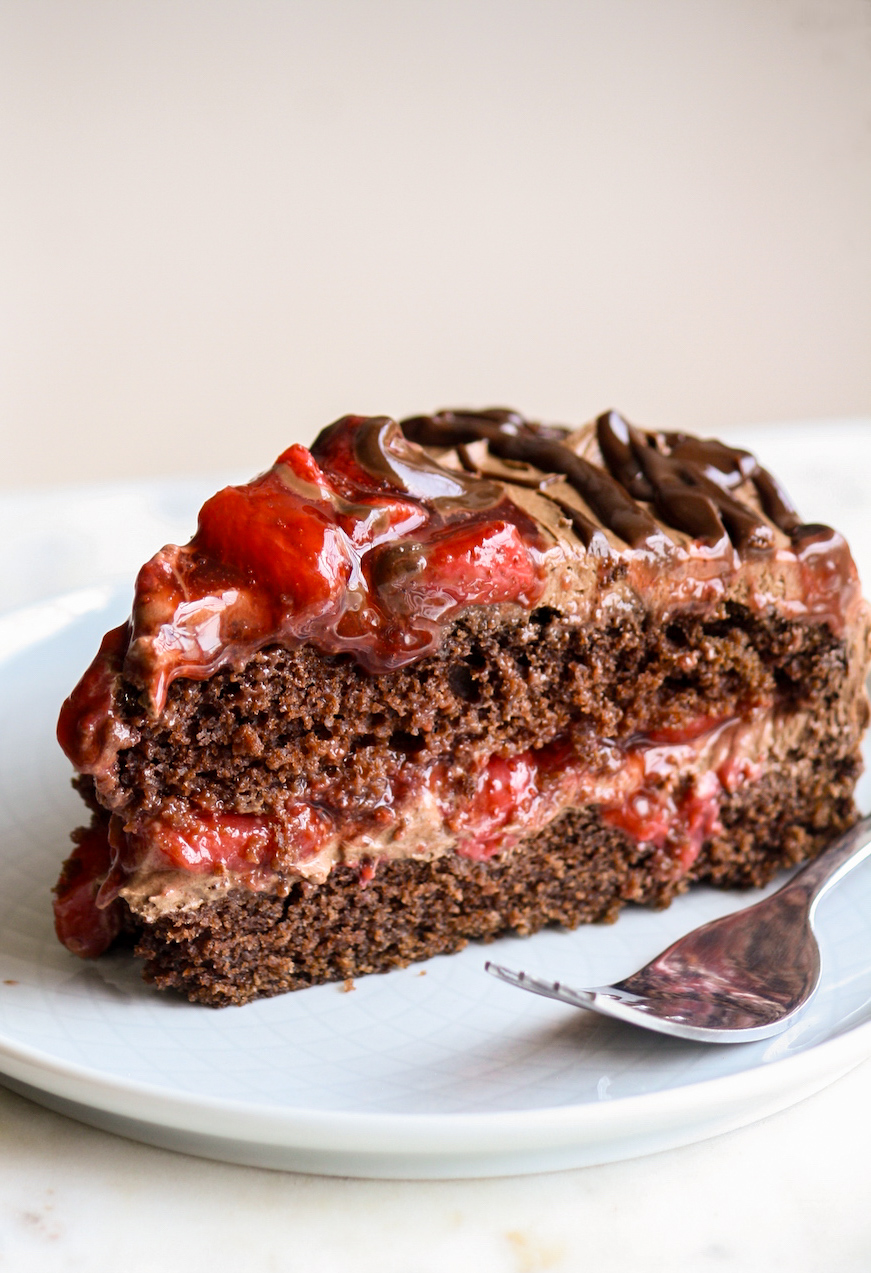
<point x="578" y="870"/>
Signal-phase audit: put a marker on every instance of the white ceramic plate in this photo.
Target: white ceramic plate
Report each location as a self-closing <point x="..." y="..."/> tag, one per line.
<point x="432" y="1071"/>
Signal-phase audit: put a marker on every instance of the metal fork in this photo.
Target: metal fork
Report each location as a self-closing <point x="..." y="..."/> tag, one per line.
<point x="743" y="977"/>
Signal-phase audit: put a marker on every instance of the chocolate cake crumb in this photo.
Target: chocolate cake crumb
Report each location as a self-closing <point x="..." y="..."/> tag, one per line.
<point x="245" y="737"/>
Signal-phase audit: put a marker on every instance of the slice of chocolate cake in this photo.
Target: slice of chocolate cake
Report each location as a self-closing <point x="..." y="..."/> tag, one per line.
<point x="442" y="681"/>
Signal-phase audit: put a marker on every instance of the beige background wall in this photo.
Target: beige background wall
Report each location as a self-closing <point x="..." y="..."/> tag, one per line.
<point x="225" y="222"/>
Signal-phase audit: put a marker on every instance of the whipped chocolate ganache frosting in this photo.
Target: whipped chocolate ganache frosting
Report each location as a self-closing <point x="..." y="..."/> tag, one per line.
<point x="687" y="480"/>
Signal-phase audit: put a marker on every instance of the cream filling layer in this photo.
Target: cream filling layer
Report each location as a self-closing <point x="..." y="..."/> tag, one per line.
<point x="665" y="792"/>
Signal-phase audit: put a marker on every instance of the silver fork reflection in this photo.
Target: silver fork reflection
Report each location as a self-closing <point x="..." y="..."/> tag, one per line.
<point x="743" y="977"/>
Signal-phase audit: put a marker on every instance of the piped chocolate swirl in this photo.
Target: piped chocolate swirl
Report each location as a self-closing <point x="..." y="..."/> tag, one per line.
<point x="688" y="481"/>
<point x="510" y="437"/>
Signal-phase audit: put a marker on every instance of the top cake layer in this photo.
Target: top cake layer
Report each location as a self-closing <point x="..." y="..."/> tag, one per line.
<point x="372" y="542"/>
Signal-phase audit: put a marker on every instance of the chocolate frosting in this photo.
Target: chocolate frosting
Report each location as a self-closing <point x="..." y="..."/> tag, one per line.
<point x="689" y="481"/>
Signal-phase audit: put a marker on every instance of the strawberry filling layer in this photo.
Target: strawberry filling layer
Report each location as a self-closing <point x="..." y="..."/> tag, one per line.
<point x="84" y="927"/>
<point x="664" y="790"/>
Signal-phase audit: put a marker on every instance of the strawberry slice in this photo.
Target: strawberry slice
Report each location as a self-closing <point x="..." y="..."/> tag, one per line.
<point x="83" y="927"/>
<point x="482" y="564"/>
<point x="283" y="541"/>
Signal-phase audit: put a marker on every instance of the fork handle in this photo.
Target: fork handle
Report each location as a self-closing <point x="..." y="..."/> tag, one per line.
<point x="827" y="870"/>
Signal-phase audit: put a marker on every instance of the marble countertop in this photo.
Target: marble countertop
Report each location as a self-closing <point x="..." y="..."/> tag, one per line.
<point x="789" y="1193"/>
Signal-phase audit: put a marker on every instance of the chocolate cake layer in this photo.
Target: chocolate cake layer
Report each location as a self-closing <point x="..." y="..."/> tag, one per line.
<point x="498" y="684"/>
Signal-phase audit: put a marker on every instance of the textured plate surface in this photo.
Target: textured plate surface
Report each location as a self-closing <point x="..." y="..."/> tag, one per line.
<point x="434" y="1070"/>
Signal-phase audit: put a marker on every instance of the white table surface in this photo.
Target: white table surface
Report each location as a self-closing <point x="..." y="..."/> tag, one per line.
<point x="789" y="1192"/>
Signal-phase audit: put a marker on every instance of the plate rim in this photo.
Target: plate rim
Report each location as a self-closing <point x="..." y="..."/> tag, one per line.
<point x="352" y="1131"/>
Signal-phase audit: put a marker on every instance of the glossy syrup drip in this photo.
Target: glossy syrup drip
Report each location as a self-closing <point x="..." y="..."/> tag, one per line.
<point x="510" y="437"/>
<point x="689" y="482"/>
<point x="689" y="487"/>
<point x="382" y="450"/>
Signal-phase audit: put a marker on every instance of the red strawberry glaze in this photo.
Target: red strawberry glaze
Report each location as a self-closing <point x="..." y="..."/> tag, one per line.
<point x="677" y="825"/>
<point x="518" y="796"/>
<point x="83" y="925"/>
<point x="319" y="549"/>
<point x="203" y="843"/>
<point x="514" y="796"/>
<point x="829" y="578"/>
